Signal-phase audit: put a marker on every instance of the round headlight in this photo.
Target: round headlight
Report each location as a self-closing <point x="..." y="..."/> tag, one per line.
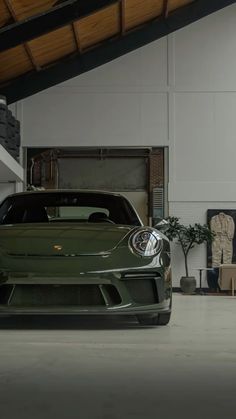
<point x="145" y="242"/>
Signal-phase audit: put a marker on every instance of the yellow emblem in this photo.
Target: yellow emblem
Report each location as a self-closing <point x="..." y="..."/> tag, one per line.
<point x="57" y="247"/>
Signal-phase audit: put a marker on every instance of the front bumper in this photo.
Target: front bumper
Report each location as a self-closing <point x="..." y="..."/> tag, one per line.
<point x="132" y="292"/>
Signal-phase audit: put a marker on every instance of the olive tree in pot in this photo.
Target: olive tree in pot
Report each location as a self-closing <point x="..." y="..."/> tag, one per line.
<point x="188" y="237"/>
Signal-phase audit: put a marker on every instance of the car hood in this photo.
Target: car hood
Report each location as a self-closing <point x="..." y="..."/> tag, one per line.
<point x="63" y="239"/>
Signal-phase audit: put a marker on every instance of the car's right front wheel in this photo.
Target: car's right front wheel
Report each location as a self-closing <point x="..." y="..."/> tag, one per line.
<point x="161" y="319"/>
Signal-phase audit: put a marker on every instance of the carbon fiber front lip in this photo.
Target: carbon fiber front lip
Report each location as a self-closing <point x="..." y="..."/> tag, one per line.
<point x="122" y="310"/>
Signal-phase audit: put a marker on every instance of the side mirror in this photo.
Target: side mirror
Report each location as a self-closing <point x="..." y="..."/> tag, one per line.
<point x="162" y="225"/>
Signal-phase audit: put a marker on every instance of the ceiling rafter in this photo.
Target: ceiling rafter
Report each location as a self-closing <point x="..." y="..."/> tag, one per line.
<point x="122" y="16"/>
<point x="165" y="8"/>
<point x="31" y="57"/>
<point x="77" y="38"/>
<point x="42" y="23"/>
<point x="28" y="51"/>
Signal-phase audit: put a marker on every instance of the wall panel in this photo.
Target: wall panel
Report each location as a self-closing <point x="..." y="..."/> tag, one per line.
<point x="96" y="120"/>
<point x="205" y="53"/>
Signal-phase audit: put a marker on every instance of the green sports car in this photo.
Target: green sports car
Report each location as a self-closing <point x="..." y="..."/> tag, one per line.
<point x="81" y="252"/>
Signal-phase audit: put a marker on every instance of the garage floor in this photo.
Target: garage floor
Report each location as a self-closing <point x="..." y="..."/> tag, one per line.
<point x="112" y="368"/>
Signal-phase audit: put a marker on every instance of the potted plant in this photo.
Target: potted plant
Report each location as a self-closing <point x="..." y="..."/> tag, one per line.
<point x="188" y="237"/>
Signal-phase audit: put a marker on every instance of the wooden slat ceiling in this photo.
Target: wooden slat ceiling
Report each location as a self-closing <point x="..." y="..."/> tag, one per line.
<point x="27" y="8"/>
<point x="5" y="16"/>
<point x="62" y="42"/>
<point x="81" y="35"/>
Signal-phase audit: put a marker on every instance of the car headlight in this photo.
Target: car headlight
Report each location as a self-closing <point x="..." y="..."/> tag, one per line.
<point x="145" y="242"/>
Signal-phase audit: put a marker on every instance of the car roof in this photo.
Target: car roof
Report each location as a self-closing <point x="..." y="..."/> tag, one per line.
<point x="49" y="191"/>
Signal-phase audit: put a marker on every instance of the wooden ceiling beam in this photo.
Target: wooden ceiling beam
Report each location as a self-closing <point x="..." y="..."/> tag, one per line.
<point x="40" y="24"/>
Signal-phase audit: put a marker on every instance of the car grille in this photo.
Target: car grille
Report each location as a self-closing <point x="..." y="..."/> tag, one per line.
<point x="142" y="287"/>
<point x="51" y="295"/>
<point x="59" y="295"/>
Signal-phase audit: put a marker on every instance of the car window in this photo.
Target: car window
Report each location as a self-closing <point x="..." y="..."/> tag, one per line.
<point x="67" y="206"/>
<point x="4" y="208"/>
<point x="82" y="213"/>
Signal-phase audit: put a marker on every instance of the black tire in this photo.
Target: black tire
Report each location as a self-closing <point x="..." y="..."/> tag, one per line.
<point x="161" y="319"/>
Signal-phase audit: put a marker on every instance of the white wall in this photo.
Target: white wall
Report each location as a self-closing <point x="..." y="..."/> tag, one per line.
<point x="122" y="103"/>
<point x="203" y="146"/>
<point x="6" y="189"/>
<point x="179" y="92"/>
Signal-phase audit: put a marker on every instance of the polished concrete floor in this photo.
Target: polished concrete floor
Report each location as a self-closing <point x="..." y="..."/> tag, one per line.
<point x="112" y="368"/>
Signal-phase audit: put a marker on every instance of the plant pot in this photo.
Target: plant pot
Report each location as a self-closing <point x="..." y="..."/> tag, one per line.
<point x="188" y="284"/>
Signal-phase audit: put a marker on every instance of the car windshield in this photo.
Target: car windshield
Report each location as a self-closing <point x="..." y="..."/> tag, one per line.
<point x="67" y="207"/>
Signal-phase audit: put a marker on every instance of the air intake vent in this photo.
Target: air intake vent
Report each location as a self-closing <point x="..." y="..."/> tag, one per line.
<point x="158" y="203"/>
<point x="142" y="287"/>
